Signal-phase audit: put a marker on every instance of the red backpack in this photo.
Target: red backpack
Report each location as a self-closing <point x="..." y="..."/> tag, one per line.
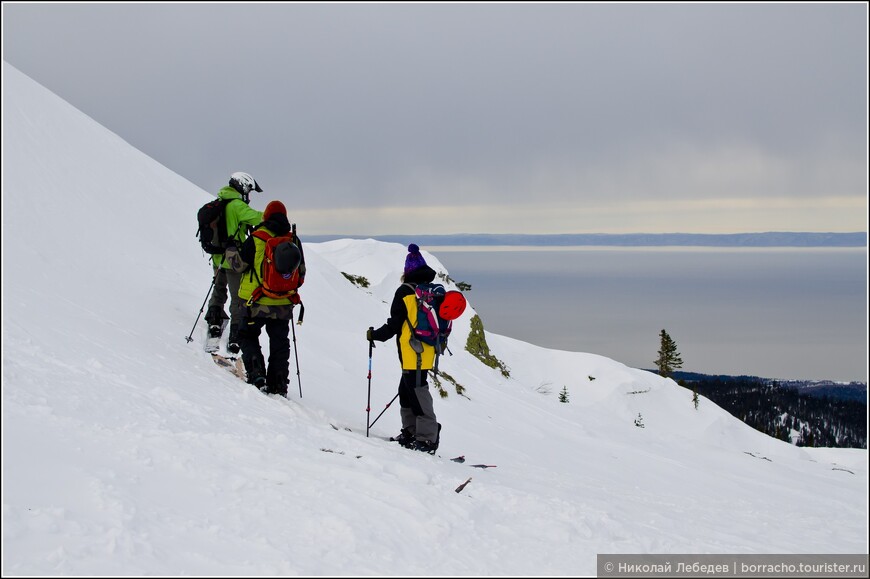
<point x="279" y="274"/>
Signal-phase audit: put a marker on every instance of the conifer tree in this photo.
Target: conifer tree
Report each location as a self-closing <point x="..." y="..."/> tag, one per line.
<point x="669" y="359"/>
<point x="563" y="395"/>
<point x="477" y="346"/>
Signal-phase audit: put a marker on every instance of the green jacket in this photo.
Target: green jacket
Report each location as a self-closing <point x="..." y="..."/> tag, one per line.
<point x="238" y="215"/>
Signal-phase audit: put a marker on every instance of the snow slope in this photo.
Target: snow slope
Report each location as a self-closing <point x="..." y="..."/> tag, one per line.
<point x="127" y="451"/>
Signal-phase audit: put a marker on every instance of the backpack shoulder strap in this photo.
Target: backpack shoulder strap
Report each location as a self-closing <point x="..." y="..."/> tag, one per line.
<point x="261" y="234"/>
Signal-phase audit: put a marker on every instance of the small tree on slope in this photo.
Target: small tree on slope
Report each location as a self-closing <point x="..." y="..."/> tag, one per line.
<point x="669" y="359"/>
<point x="476" y="345"/>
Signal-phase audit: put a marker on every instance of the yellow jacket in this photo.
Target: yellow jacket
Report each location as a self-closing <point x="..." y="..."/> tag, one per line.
<point x="403" y="311"/>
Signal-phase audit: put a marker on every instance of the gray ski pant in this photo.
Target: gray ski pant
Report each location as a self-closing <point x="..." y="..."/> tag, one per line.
<point x="417" y="409"/>
<point x="226" y="279"/>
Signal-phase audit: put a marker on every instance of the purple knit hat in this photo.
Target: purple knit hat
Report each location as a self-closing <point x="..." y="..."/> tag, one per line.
<point x="414" y="259"/>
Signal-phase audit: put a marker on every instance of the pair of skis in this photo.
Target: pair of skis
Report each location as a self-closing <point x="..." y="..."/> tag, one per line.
<point x="459" y="459"/>
<point x="231" y="363"/>
<point x="234" y="366"/>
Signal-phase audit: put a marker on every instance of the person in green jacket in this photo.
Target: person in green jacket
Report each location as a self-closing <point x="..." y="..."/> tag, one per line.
<point x="240" y="218"/>
<point x="265" y="307"/>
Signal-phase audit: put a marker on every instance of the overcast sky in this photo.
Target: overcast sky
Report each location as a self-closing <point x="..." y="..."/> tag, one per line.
<point x="482" y="118"/>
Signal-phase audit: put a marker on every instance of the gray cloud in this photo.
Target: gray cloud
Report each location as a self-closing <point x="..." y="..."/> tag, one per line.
<point x="487" y="105"/>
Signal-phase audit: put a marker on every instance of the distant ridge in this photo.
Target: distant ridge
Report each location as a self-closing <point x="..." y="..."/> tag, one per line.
<point x="769" y="239"/>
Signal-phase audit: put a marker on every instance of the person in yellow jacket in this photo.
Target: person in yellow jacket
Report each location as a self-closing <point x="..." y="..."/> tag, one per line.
<point x="420" y="428"/>
<point x="275" y="314"/>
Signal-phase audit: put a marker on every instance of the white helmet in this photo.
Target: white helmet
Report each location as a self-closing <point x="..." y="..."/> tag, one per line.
<point x="244" y="183"/>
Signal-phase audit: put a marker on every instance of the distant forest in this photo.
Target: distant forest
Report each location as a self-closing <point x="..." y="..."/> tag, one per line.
<point x="785" y="412"/>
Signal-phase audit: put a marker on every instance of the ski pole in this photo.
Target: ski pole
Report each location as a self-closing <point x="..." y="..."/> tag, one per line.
<point x="189" y="338"/>
<point x="384" y="410"/>
<point x="295" y="353"/>
<point x="369" y="399"/>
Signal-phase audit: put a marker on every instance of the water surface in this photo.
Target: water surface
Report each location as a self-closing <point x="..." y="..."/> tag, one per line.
<point x="789" y="313"/>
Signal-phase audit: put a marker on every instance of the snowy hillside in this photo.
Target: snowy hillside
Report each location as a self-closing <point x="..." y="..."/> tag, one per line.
<point x="127" y="451"/>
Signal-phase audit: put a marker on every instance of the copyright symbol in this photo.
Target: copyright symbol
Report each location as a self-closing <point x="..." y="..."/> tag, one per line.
<point x="608" y="567"/>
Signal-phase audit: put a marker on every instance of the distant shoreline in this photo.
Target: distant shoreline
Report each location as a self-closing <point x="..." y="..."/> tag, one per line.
<point x="769" y="239"/>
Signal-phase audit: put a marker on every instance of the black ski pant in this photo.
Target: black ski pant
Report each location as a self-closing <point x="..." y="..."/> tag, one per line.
<point x="278" y="370"/>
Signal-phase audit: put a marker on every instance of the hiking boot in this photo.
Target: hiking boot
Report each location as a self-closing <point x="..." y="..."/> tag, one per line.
<point x="215" y="316"/>
<point x="259" y="382"/>
<point x="214" y="331"/>
<point x="404" y="438"/>
<point x="280" y="389"/>
<point x="233" y="346"/>
<point x="424" y="446"/>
